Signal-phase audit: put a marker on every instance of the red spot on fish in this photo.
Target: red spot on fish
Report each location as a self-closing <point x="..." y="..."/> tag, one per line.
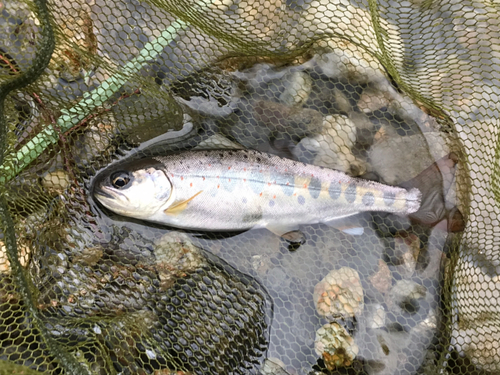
<point x="191" y="184"/>
<point x="244" y="180"/>
<point x="260" y="171"/>
<point x="210" y="165"/>
<point x="203" y="178"/>
<point x="287" y="183"/>
<point x="268" y="184"/>
<point x="294" y="194"/>
<point x="274" y="196"/>
<point x="305" y="186"/>
<point x="218" y="186"/>
<point x="217" y="176"/>
<point x="261" y="194"/>
<point x="182" y="178"/>
<point x="229" y="179"/>
<point x="171" y="174"/>
<point x="228" y="167"/>
<point x="245" y="169"/>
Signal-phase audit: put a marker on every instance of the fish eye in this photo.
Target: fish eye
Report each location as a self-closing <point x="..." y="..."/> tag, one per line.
<point x="120" y="179"/>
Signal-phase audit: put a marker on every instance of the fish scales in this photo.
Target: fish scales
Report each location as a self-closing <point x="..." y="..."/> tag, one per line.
<point x="225" y="190"/>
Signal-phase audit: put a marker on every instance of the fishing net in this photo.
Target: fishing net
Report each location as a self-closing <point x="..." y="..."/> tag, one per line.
<point x="401" y="92"/>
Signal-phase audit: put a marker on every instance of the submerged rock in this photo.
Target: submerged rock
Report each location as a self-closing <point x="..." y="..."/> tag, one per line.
<point x="335" y="345"/>
<point x="339" y="294"/>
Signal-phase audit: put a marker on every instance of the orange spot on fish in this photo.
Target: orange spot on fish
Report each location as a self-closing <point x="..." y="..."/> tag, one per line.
<point x="203" y="178"/>
<point x="228" y="167"/>
<point x="244" y="180"/>
<point x="305" y="186"/>
<point x="245" y="169"/>
<point x="287" y="183"/>
<point x="261" y="194"/>
<point x="217" y="176"/>
<point x="191" y="184"/>
<point x="294" y="194"/>
<point x="218" y="186"/>
<point x="182" y="178"/>
<point x="229" y="179"/>
<point x="268" y="184"/>
<point x="171" y="174"/>
<point x="274" y="196"/>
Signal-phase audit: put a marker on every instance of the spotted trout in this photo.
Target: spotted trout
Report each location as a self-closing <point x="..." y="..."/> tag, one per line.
<point x="232" y="190"/>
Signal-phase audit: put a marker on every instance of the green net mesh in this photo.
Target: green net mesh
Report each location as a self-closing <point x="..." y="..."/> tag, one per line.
<point x="405" y="93"/>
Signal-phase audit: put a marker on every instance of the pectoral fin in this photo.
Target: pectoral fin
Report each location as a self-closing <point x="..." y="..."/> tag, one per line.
<point x="178" y="207"/>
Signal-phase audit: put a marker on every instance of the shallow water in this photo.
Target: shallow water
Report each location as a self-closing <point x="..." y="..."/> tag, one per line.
<point x="309" y="114"/>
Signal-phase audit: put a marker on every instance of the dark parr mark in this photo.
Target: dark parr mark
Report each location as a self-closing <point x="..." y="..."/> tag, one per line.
<point x="368" y="199"/>
<point x="301" y="199"/>
<point x="334" y="189"/>
<point x="389" y="198"/>
<point x="256" y="182"/>
<point x="350" y="193"/>
<point x="285" y="181"/>
<point x="314" y="187"/>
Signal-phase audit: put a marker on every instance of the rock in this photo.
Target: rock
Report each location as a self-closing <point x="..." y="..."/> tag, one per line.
<point x="475" y="295"/>
<point x="382" y="279"/>
<point x="56" y="182"/>
<point x="294" y="122"/>
<point x="335" y="345"/>
<point x="347" y="61"/>
<point x="24" y="255"/>
<point x="298" y="86"/>
<point x="373" y="99"/>
<point x="176" y="256"/>
<point x="333" y="146"/>
<point x="339" y="294"/>
<point x="399" y="159"/>
<point x="273" y="366"/>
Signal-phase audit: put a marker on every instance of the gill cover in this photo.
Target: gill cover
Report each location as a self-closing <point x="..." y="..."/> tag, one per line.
<point x="137" y="189"/>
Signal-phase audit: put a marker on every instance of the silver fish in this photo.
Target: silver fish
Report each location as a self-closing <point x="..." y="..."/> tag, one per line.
<point x="230" y="190"/>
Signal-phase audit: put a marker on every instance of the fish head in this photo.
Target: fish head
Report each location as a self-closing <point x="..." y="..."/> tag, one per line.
<point x="134" y="189"/>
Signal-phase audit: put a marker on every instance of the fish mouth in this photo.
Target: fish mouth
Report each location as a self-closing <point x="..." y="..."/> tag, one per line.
<point x="109" y="194"/>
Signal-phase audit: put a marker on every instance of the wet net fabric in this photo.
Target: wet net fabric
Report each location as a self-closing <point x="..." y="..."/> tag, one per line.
<point x="405" y="93"/>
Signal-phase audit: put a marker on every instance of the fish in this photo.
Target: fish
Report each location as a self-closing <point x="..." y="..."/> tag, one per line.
<point x="237" y="190"/>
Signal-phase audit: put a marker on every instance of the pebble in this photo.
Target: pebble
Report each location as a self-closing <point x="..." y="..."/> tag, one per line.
<point x="287" y="120"/>
<point x="399" y="159"/>
<point x="24" y="254"/>
<point x="335" y="345"/>
<point x="340" y="293"/>
<point x="56" y="182"/>
<point x="382" y="279"/>
<point x="333" y="146"/>
<point x="273" y="366"/>
<point x="298" y="86"/>
<point x="176" y="256"/>
<point x="373" y="99"/>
